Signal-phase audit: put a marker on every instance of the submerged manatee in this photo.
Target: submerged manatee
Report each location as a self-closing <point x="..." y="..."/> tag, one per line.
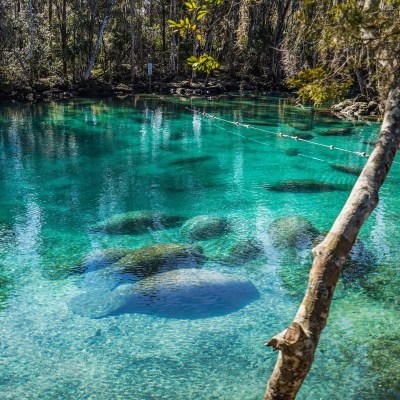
<point x="103" y="258"/>
<point x="304" y="135"/>
<point x="187" y="293"/>
<point x="157" y="258"/>
<point x="301" y="126"/>
<point x="347" y="168"/>
<point x="136" y="222"/>
<point x="303" y="186"/>
<point x="191" y="160"/>
<point x="292" y="232"/>
<point x="244" y="250"/>
<point x="337" y="132"/>
<point x="292" y="152"/>
<point x="205" y="227"/>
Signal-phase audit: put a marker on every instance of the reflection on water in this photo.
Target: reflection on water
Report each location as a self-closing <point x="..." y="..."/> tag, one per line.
<point x="65" y="168"/>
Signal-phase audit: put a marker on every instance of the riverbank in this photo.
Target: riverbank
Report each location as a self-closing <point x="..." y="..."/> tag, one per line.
<point x="47" y="90"/>
<point x="51" y="90"/>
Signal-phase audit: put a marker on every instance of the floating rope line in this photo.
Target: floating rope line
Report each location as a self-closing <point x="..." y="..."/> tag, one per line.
<point x="312" y="158"/>
<point x="248" y="126"/>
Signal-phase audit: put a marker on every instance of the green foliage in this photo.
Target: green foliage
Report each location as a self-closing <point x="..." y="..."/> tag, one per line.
<point x="316" y="85"/>
<point x="182" y="26"/>
<point x="204" y="63"/>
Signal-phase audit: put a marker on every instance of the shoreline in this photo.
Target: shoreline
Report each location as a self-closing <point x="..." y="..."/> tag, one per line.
<point x="50" y="91"/>
<point x="44" y="91"/>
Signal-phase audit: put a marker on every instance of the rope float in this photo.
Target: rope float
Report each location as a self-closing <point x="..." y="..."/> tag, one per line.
<point x="278" y="134"/>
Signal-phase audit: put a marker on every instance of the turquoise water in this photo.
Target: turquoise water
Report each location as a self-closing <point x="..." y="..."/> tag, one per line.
<point x="66" y="167"/>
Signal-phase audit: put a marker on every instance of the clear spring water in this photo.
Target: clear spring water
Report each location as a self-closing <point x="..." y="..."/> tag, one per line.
<point x="65" y="167"/>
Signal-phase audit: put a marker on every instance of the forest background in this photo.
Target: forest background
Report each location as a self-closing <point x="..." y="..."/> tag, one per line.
<point x="83" y="47"/>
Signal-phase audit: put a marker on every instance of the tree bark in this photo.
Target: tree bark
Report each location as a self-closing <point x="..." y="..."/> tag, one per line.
<point x="88" y="71"/>
<point x="297" y="344"/>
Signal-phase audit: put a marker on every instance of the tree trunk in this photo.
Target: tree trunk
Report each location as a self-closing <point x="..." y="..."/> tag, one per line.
<point x="361" y="82"/>
<point x="174" y="49"/>
<point x="279" y="28"/>
<point x="132" y="31"/>
<point x="64" y="38"/>
<point x="86" y="75"/>
<point x="297" y="344"/>
<point x="31" y="40"/>
<point x="50" y="13"/>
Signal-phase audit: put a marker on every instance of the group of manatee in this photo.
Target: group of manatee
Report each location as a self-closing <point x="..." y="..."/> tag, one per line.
<point x="307" y="126"/>
<point x="169" y="281"/>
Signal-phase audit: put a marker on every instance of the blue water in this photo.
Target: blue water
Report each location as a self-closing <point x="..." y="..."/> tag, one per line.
<point x="65" y="167"/>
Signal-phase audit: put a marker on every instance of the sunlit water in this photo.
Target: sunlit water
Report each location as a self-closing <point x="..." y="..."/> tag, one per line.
<point x="66" y="167"/>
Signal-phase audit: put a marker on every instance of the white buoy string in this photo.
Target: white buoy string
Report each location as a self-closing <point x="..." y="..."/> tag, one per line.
<point x="248" y="126"/>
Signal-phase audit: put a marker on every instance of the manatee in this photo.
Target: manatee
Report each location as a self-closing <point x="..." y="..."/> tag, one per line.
<point x="205" y="227"/>
<point x="291" y="152"/>
<point x="303" y="186"/>
<point x="103" y="258"/>
<point x="184" y="294"/>
<point x="136" y="222"/>
<point x="191" y="160"/>
<point x="292" y="232"/>
<point x="157" y="258"/>
<point x="301" y="126"/>
<point x="244" y="250"/>
<point x="347" y="168"/>
<point x="263" y="123"/>
<point x="304" y="135"/>
<point x="337" y="132"/>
